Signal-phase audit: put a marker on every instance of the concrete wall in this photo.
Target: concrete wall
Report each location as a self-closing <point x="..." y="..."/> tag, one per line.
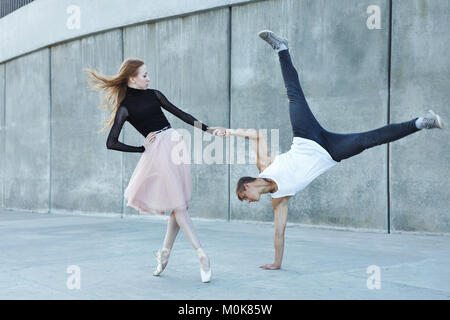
<point x="54" y="21"/>
<point x="85" y="175"/>
<point x="419" y="164"/>
<point x="27" y="123"/>
<point x="212" y="64"/>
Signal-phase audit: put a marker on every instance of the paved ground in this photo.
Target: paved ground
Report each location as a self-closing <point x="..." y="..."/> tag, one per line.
<point x="115" y="260"/>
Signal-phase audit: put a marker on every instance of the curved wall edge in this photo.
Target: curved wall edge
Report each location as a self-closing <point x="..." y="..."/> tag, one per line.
<point x="43" y="23"/>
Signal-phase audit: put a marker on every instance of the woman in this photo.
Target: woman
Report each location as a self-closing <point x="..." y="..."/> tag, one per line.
<point x="158" y="183"/>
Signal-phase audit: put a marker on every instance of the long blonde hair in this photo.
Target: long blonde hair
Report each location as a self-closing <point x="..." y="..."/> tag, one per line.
<point x="114" y="86"/>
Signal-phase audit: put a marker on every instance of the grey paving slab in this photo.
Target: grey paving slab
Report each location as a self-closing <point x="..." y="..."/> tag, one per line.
<point x="115" y="260"/>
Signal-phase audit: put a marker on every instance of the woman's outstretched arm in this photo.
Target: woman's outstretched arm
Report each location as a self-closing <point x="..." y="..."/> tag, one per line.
<point x="186" y="117"/>
<point x="113" y="138"/>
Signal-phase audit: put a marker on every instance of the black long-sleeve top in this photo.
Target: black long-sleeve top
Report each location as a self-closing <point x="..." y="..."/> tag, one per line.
<point x="142" y="108"/>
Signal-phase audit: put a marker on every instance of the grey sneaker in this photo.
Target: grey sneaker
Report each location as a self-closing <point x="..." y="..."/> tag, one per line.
<point x="272" y="39"/>
<point x="431" y="120"/>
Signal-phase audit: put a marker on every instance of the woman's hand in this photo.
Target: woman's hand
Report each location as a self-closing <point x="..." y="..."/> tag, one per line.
<point x="151" y="137"/>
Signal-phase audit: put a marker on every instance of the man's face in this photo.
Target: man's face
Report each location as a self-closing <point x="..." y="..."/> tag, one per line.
<point x="250" y="194"/>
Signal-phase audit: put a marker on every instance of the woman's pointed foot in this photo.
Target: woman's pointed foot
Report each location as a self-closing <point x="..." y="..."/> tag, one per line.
<point x="205" y="268"/>
<point x="162" y="257"/>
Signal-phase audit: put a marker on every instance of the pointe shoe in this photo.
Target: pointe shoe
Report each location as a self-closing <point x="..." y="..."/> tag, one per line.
<point x="162" y="257"/>
<point x="205" y="268"/>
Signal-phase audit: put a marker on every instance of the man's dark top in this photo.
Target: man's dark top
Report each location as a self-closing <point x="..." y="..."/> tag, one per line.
<point x="142" y="108"/>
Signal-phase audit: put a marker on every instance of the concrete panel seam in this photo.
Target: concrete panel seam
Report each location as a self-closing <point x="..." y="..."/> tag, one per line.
<point x="123" y="136"/>
<point x="388" y="173"/>
<point x="4" y="135"/>
<point x="229" y="104"/>
<point x="50" y="115"/>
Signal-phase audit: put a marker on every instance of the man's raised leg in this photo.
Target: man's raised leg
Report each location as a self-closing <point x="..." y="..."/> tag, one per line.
<point x="303" y="122"/>
<point x="343" y="146"/>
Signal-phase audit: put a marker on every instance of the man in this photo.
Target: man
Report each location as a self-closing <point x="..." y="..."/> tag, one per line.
<point x="314" y="150"/>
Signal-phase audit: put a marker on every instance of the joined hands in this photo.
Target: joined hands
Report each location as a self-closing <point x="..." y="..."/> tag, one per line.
<point x="219" y="131"/>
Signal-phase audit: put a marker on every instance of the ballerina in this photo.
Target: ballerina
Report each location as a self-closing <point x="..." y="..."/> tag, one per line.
<point x="158" y="184"/>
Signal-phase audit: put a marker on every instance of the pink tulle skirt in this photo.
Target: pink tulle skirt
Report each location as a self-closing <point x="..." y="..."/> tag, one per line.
<point x="161" y="181"/>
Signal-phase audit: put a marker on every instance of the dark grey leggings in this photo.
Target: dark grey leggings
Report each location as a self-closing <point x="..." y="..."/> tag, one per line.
<point x="339" y="146"/>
